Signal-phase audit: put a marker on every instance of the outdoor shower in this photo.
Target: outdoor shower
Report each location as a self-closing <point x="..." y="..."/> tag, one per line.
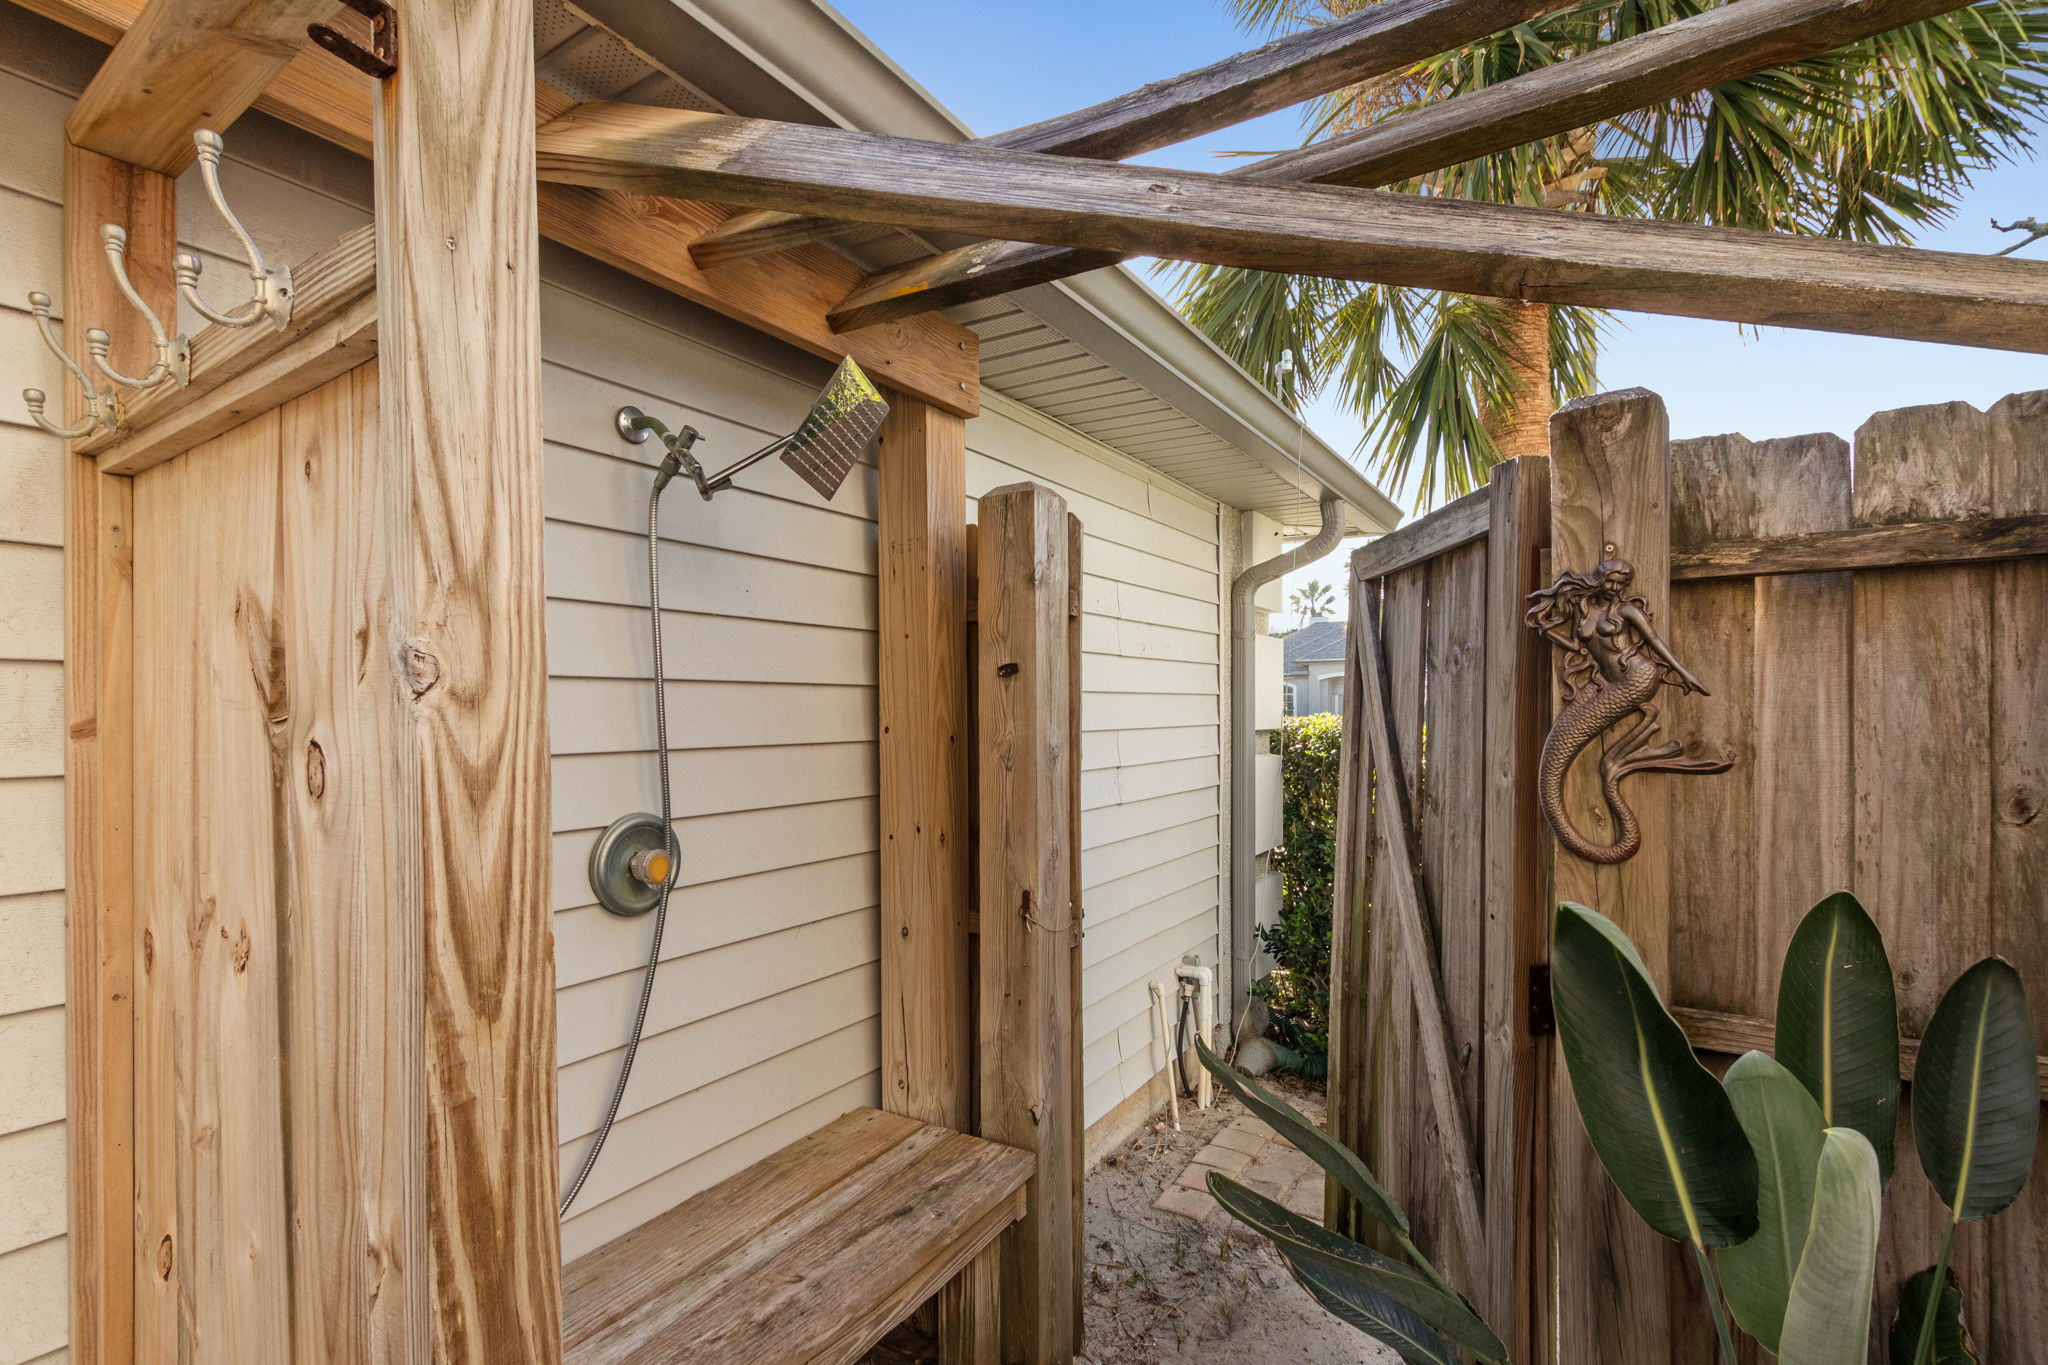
<point x="634" y="863"/>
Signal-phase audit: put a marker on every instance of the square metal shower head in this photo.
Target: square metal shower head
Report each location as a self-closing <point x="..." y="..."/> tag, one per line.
<point x="837" y="430"/>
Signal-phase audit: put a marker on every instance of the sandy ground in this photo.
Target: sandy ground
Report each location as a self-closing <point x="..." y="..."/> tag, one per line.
<point x="1166" y="1287"/>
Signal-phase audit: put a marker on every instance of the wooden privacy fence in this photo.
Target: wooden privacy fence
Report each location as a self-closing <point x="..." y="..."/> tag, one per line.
<point x="1872" y="633"/>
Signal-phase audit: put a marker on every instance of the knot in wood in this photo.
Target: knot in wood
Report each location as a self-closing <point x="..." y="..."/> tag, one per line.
<point x="1006" y="670"/>
<point x="316" y="769"/>
<point x="422" y="671"/>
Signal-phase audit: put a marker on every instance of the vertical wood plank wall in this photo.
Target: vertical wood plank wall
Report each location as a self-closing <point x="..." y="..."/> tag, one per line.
<point x="1467" y="697"/>
<point x="1890" y="728"/>
<point x="276" y="1103"/>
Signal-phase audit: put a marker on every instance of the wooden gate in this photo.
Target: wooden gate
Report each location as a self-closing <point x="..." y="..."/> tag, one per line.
<point x="1872" y="633"/>
<point x="1435" y="1076"/>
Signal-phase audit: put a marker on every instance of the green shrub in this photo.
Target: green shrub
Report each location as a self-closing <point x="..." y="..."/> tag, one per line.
<point x="1307" y="862"/>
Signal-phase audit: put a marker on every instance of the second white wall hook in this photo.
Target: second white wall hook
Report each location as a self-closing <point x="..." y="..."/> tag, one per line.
<point x="273" y="296"/>
<point x="173" y="356"/>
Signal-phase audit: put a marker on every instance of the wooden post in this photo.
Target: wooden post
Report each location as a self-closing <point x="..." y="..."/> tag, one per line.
<point x="921" y="526"/>
<point x="459" y="328"/>
<point x="1029" y="917"/>
<point x="1515" y="1141"/>
<point x="1610" y="472"/>
<point x="99" y="771"/>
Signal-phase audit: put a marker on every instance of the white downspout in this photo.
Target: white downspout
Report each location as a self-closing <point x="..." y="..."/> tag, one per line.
<point x="1243" y="716"/>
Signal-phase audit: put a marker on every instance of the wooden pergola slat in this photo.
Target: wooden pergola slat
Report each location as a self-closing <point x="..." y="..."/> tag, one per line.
<point x="1504" y="251"/>
<point x="1723" y="44"/>
<point x="1376" y="41"/>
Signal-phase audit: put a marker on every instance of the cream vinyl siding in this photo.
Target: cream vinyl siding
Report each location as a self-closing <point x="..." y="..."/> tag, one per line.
<point x="764" y="1021"/>
<point x="33" y="1275"/>
<point x="1152" y="727"/>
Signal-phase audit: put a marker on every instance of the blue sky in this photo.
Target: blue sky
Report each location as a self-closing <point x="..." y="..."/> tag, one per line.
<point x="998" y="64"/>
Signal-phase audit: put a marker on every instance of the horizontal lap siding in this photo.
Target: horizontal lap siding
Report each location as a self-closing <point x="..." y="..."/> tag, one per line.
<point x="764" y="1020"/>
<point x="1151" y="715"/>
<point x="33" y="1273"/>
<point x="764" y="1024"/>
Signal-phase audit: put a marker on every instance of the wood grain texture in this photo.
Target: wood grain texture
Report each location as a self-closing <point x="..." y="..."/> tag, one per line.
<point x="212" y="1182"/>
<point x="1030" y="1014"/>
<point x="921" y="605"/>
<point x="1969" y="541"/>
<point x="1351" y="940"/>
<point x="459" y="329"/>
<point x="323" y="289"/>
<point x="348" y="803"/>
<point x="315" y="90"/>
<point x="1513" y="1134"/>
<point x="1715" y="959"/>
<point x="1413" y="928"/>
<point x="649" y="236"/>
<point x="2016" y="431"/>
<point x="99" y="764"/>
<point x="184" y="65"/>
<point x="1505" y="251"/>
<point x="931" y="358"/>
<point x="811" y="1254"/>
<point x="1735" y="1034"/>
<point x="1719" y="45"/>
<point x="1456" y="523"/>
<point x="1609" y="495"/>
<point x="1348" y="50"/>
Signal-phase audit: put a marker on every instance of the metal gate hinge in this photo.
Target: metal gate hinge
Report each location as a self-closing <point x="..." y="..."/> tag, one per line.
<point x="380" y="59"/>
<point x="1542" y="1017"/>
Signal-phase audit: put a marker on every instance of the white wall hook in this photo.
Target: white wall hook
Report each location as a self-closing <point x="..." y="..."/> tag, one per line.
<point x="273" y="298"/>
<point x="173" y="357"/>
<point x="101" y="411"/>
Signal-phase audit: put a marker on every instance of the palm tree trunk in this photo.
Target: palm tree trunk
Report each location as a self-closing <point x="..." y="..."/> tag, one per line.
<point x="1523" y="427"/>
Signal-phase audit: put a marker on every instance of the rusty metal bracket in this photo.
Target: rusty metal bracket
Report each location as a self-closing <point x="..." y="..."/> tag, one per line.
<point x="380" y="59"/>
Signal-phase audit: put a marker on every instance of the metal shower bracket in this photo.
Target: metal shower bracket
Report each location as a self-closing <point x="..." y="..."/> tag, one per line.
<point x="173" y="364"/>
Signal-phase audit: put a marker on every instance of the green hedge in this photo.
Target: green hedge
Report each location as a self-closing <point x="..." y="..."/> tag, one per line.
<point x="1307" y="861"/>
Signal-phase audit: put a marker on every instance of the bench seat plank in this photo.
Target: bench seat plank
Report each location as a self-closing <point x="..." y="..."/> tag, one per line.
<point x="812" y="1254"/>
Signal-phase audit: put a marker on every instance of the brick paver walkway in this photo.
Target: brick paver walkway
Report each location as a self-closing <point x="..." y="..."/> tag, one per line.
<point x="1255" y="1156"/>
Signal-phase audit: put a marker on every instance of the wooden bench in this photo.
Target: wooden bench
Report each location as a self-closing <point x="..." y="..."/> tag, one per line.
<point x="810" y="1255"/>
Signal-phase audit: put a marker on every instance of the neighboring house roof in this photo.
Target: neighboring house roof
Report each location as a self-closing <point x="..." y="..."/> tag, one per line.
<point x="1318" y="642"/>
<point x="1100" y="353"/>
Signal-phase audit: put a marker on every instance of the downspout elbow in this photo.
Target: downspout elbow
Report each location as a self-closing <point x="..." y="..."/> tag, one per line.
<point x="1243" y="712"/>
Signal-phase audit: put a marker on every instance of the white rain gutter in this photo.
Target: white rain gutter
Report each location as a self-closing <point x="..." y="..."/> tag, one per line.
<point x="1244" y="733"/>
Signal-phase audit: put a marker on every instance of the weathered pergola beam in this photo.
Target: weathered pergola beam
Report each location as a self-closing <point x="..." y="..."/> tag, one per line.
<point x="1723" y="44"/>
<point x="1376" y="41"/>
<point x="1540" y="255"/>
<point x="186" y="65"/>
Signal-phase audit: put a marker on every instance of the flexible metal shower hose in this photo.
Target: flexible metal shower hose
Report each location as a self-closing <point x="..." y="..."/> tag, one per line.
<point x="611" y="1112"/>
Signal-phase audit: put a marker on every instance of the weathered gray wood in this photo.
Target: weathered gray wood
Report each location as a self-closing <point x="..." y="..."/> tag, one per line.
<point x="1726" y="42"/>
<point x="1351" y="1073"/>
<point x="2014" y="432"/>
<point x="1454" y="524"/>
<point x="1609" y="494"/>
<point x="1735" y="1034"/>
<point x="1504" y="251"/>
<point x="1969" y="540"/>
<point x="1372" y="42"/>
<point x="1029" y="920"/>
<point x="1419" y="952"/>
<point x="1514" y="1138"/>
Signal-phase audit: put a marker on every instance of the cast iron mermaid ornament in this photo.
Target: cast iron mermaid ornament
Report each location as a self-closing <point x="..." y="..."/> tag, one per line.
<point x="1614" y="663"/>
